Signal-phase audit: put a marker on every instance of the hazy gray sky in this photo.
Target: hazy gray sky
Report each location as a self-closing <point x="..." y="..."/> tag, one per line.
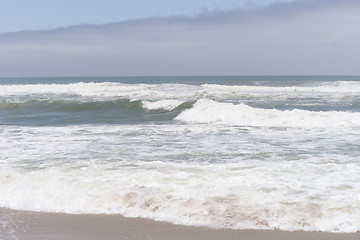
<point x="18" y="15"/>
<point x="304" y="37"/>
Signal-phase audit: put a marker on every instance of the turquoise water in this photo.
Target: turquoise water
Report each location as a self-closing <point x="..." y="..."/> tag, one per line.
<point x="270" y="152"/>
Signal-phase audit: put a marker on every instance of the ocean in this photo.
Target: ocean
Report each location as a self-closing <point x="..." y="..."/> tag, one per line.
<point x="246" y="152"/>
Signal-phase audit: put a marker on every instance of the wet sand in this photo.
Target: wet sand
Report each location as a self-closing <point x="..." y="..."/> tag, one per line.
<point x="41" y="226"/>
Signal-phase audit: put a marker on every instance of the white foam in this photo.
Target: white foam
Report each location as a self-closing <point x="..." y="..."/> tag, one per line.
<point x="183" y="92"/>
<point x="209" y="111"/>
<point x="180" y="173"/>
<point x="102" y="91"/>
<point x="325" y="87"/>
<point x="168" y="104"/>
<point x="214" y="196"/>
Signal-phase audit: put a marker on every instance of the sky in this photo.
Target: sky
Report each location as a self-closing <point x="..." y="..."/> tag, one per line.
<point x="157" y="38"/>
<point x="18" y="15"/>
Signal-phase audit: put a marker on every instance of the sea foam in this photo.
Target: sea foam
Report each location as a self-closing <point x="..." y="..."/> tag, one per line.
<point x="168" y="105"/>
<point x="210" y="111"/>
<point x="211" y="181"/>
<point x="157" y="92"/>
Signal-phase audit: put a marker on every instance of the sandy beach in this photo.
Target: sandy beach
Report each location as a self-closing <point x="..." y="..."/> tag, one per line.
<point x="38" y="226"/>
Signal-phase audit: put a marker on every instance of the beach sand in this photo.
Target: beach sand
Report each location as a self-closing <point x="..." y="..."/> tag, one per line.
<point x="39" y="226"/>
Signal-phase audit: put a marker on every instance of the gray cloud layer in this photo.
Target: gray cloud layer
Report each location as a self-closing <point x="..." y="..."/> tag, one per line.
<point x="304" y="37"/>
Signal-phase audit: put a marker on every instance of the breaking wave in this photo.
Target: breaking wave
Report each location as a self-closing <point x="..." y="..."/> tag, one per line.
<point x="156" y="92"/>
<point x="210" y="111"/>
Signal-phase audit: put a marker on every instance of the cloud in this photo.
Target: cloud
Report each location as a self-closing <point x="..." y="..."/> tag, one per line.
<point x="302" y="37"/>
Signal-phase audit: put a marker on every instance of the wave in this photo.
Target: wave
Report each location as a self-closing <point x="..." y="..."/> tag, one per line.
<point x="169" y="104"/>
<point x="103" y="91"/>
<point x="49" y="105"/>
<point x="69" y="105"/>
<point x="315" y="88"/>
<point x="65" y="112"/>
<point x="141" y="101"/>
<point x="157" y="92"/>
<point x="200" y="111"/>
<point x="210" y="111"/>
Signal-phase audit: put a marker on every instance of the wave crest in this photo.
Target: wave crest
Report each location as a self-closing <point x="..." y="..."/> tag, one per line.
<point x="210" y="111"/>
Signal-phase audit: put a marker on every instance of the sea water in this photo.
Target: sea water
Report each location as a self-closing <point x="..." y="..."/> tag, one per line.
<point x="243" y="152"/>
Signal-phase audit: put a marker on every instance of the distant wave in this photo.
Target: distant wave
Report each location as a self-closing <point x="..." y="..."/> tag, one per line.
<point x="158" y="92"/>
<point x="106" y="90"/>
<point x="324" y="87"/>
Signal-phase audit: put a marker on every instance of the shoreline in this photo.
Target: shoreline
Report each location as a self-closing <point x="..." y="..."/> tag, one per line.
<point x="27" y="225"/>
